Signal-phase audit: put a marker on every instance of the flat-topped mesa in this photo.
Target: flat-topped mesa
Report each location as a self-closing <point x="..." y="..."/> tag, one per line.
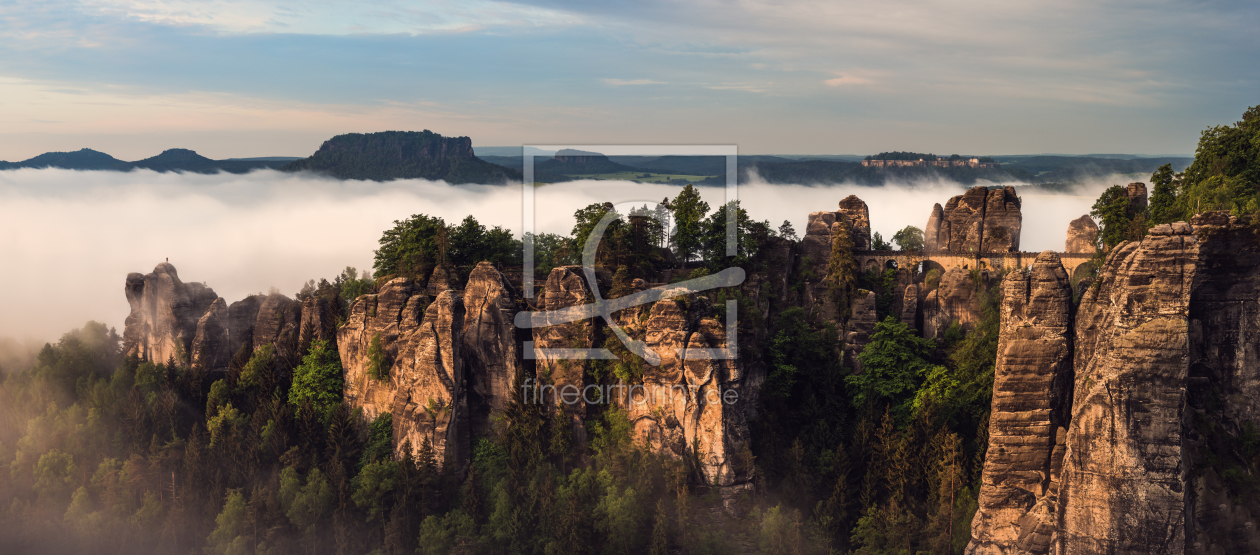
<point x="982" y="220"/>
<point x="1032" y="393"/>
<point x="1082" y="235"/>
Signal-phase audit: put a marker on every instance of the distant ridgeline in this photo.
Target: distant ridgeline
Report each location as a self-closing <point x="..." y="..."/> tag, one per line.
<point x="905" y="159"/>
<point x="374" y="156"/>
<point x="427" y="155"/>
<point x="175" y="159"/>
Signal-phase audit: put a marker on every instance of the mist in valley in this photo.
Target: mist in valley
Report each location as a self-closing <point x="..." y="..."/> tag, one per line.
<point x="71" y="237"/>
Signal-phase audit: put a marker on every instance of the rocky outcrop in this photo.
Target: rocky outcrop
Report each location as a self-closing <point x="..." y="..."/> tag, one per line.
<point x="319" y="321"/>
<point x="1082" y="235"/>
<point x="1018" y="501"/>
<point x="858" y="329"/>
<point x="443" y="279"/>
<point x="164" y="315"/>
<point x="402" y="155"/>
<point x="978" y="221"/>
<point x="910" y="306"/>
<point x="388" y="317"/>
<point x="566" y="287"/>
<point x="427" y="376"/>
<point x="212" y="344"/>
<point x="277" y="324"/>
<point x="242" y="315"/>
<point x="1137" y="197"/>
<point x="954" y="300"/>
<point x="856" y="213"/>
<point x="489" y="344"/>
<point x="1223" y="389"/>
<point x="1124" y="479"/>
<point x="692" y="399"/>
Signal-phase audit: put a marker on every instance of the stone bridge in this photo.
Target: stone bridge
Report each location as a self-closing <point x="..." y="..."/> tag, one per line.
<point x="880" y="260"/>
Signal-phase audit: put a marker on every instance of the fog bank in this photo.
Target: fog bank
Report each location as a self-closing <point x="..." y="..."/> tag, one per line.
<point x="69" y="238"/>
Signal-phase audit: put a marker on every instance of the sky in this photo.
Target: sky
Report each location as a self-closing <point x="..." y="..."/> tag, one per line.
<point x="69" y="238"/>
<point x="232" y="78"/>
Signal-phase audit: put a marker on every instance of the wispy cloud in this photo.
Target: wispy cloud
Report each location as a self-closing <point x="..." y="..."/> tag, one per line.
<point x="625" y="82"/>
<point x="210" y="225"/>
<point x="847" y="80"/>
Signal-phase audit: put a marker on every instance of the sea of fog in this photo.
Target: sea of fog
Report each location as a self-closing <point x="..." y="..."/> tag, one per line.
<point x="69" y="238"/>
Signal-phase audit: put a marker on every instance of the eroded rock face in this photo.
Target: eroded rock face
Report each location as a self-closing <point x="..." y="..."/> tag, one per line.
<point x="566" y="287"/>
<point x="319" y="321"/>
<point x="1124" y="481"/>
<point x="1018" y="502"/>
<point x="954" y="300"/>
<point x="978" y="221"/>
<point x="1223" y="390"/>
<point x="910" y="306"/>
<point x="392" y="314"/>
<point x="692" y="399"/>
<point x="1082" y="235"/>
<point x="277" y="324"/>
<point x="861" y="325"/>
<point x="429" y="402"/>
<point x="164" y="315"/>
<point x="489" y="346"/>
<point x="859" y="217"/>
<point x="936" y="234"/>
<point x="212" y="344"/>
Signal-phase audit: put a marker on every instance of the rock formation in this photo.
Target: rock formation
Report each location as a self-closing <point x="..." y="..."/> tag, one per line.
<point x="861" y="325"/>
<point x="566" y="287"/>
<point x="390" y="317"/>
<point x="164" y="315"/>
<point x="1165" y="388"/>
<point x="429" y="402"/>
<point x="858" y="216"/>
<point x="1031" y="396"/>
<point x="910" y="306"/>
<point x="212" y="345"/>
<point x="489" y="344"/>
<point x="978" y="221"/>
<point x="1137" y="197"/>
<point x="954" y="300"/>
<point x="1082" y="235"/>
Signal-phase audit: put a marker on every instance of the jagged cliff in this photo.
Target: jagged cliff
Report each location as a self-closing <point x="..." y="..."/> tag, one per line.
<point x="1165" y="379"/>
<point x="1031" y="390"/>
<point x="980" y="220"/>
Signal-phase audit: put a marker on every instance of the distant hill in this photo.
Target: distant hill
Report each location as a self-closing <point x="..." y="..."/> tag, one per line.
<point x="184" y="160"/>
<point x="176" y="159"/>
<point x="1078" y="168"/>
<point x="811" y="172"/>
<point x="402" y="155"/>
<point x="85" y="159"/>
<point x="578" y="162"/>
